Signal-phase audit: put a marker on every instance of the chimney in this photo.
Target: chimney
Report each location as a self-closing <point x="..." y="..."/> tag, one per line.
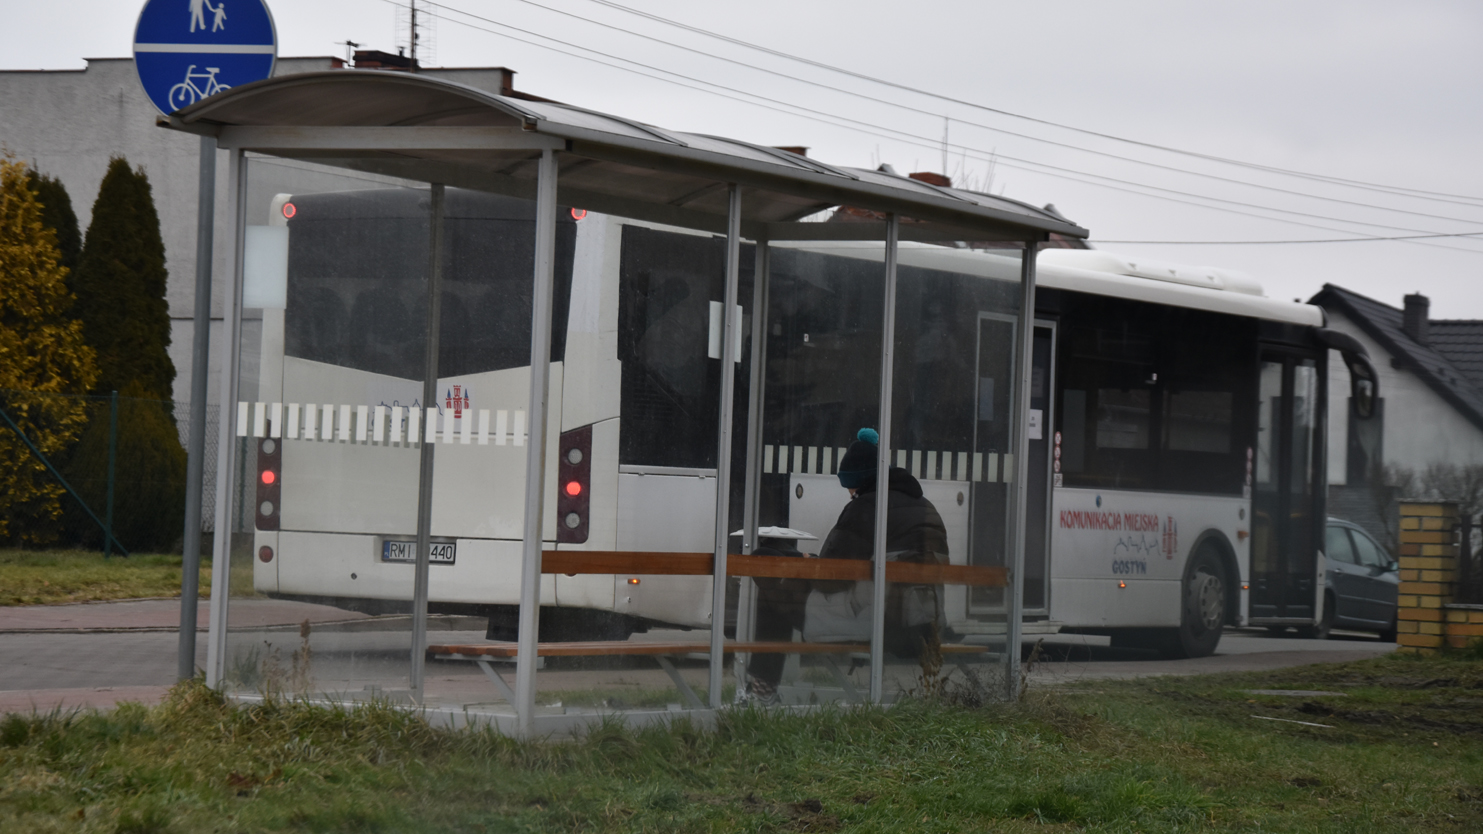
<point x="1414" y="320"/>
<point x="932" y="179"/>
<point x="376" y="59"/>
<point x="800" y="150"/>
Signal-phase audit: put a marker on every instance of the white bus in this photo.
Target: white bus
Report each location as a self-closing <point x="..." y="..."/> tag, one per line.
<point x="1176" y="418"/>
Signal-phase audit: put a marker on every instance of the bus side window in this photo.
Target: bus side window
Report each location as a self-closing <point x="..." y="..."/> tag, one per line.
<point x="1154" y="396"/>
<point x="666" y="283"/>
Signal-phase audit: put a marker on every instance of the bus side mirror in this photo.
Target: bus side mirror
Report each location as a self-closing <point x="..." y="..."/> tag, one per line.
<point x="1364" y="386"/>
<point x="1363" y="390"/>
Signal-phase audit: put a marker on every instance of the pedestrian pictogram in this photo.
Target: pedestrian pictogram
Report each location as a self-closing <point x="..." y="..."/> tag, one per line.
<point x="187" y="50"/>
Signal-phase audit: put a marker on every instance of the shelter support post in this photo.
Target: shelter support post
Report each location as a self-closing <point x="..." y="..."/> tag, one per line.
<point x="756" y="391"/>
<point x="883" y="465"/>
<point x="425" y="471"/>
<point x="195" y="461"/>
<point x="1020" y="495"/>
<point x="535" y="455"/>
<point x="227" y="445"/>
<point x="723" y="441"/>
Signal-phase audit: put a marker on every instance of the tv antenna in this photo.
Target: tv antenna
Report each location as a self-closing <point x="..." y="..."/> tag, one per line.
<point x="350" y="47"/>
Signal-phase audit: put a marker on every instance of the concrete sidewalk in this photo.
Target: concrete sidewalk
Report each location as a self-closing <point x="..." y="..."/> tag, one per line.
<point x="145" y="671"/>
<point x="161" y="615"/>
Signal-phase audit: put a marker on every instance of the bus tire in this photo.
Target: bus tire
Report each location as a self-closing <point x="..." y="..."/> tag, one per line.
<point x="1202" y="612"/>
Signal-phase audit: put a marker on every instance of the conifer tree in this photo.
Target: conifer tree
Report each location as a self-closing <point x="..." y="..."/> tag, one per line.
<point x="42" y="354"/>
<point x="57" y="215"/>
<point x="120" y="287"/>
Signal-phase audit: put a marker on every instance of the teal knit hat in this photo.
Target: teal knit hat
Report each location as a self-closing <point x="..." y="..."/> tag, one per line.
<point x="857" y="467"/>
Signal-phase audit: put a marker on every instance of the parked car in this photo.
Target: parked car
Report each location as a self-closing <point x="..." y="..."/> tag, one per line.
<point x="1360" y="591"/>
<point x="1362" y="581"/>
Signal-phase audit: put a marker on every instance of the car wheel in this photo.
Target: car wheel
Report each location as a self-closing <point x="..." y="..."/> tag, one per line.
<point x="1325" y="624"/>
<point x="1203" y="613"/>
<point x="1389" y="635"/>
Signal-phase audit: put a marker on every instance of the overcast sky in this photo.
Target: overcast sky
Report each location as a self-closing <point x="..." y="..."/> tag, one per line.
<point x="1379" y="93"/>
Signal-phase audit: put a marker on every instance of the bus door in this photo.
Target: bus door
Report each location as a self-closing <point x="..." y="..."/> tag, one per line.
<point x="1286" y="503"/>
<point x="990" y="530"/>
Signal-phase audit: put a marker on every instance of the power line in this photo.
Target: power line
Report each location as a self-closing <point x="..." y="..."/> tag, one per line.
<point x="935" y="115"/>
<point x="1270" y="242"/>
<point x="873" y="130"/>
<point x="1392" y="189"/>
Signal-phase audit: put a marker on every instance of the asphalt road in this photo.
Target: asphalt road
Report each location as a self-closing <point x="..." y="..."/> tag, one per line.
<point x="96" y="655"/>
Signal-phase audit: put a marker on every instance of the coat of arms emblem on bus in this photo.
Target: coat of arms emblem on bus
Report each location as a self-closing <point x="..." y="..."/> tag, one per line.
<point x="1171" y="537"/>
<point x="458" y="400"/>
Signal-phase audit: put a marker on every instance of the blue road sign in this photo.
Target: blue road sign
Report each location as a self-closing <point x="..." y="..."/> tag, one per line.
<point x="185" y="50"/>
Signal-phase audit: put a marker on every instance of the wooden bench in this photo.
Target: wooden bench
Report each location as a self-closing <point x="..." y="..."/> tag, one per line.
<point x="639" y="563"/>
<point x="665" y="653"/>
<point x="643" y="563"/>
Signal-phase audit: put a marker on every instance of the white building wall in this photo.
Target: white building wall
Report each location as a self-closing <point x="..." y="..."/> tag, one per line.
<point x="68" y="123"/>
<point x="1420" y="427"/>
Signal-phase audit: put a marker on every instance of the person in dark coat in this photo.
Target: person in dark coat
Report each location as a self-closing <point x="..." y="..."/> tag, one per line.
<point x="833" y="610"/>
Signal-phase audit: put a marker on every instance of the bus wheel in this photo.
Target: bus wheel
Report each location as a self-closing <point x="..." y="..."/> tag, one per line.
<point x="1203" y="613"/>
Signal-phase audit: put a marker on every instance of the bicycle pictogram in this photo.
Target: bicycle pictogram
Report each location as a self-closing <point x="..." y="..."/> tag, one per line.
<point x="189" y="92"/>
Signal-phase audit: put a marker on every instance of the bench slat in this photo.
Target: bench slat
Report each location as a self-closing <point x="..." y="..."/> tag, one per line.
<point x="641" y="563"/>
<point x="614" y="648"/>
<point x="647" y="563"/>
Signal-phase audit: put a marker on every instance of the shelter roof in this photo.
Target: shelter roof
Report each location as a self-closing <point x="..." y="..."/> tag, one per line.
<point x="434" y="130"/>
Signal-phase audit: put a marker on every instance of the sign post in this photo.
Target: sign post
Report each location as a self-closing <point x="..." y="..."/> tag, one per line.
<point x="183" y="52"/>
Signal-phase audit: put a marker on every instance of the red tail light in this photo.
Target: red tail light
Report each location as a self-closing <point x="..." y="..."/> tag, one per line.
<point x="574" y="472"/>
<point x="269" y="466"/>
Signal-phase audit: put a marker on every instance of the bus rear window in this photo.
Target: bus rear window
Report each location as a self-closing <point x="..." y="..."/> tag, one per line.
<point x="357" y="274"/>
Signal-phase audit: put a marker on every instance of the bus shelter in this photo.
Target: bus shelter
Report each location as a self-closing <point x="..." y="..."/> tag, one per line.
<point x="552" y="413"/>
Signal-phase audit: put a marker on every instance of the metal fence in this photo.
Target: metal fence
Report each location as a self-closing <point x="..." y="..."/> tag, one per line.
<point x="119" y="461"/>
<point x="1469" y="586"/>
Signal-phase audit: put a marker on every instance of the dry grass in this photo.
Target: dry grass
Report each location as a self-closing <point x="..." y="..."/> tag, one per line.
<point x="48" y="577"/>
<point x="1400" y="753"/>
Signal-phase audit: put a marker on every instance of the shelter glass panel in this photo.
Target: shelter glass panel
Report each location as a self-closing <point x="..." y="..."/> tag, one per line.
<point x="954" y="479"/>
<point x="329" y="423"/>
<point x="632" y="473"/>
<point x="821" y="387"/>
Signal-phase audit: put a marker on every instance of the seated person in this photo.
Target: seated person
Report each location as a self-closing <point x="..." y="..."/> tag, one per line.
<point x="841" y="610"/>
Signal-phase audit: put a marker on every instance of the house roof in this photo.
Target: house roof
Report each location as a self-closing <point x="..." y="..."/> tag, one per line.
<point x="1450" y="364"/>
<point x="435" y="130"/>
<point x="1461" y="341"/>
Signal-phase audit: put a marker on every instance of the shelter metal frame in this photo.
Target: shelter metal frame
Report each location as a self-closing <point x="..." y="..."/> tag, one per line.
<point x="443" y="133"/>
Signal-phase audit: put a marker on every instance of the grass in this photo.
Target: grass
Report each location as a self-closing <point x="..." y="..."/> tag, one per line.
<point x="48" y="577"/>
<point x="1401" y="752"/>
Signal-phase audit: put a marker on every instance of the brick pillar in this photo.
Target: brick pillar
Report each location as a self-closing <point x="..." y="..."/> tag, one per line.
<point x="1428" y="569"/>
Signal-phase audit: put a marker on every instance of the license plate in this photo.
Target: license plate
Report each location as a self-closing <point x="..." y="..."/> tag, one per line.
<point x="439" y="553"/>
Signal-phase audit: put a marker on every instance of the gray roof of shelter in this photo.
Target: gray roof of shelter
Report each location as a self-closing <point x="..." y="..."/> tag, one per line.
<point x="606" y="163"/>
<point x="1432" y="362"/>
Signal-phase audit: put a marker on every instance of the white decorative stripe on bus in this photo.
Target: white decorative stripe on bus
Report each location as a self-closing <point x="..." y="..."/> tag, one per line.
<point x="926" y="466"/>
<point x="377" y="424"/>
